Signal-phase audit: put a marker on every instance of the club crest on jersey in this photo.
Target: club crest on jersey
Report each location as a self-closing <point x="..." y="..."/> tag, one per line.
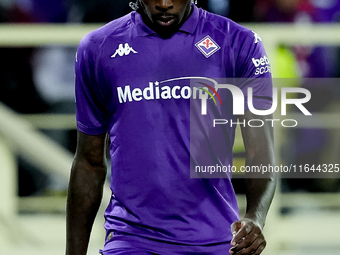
<point x="207" y="46"/>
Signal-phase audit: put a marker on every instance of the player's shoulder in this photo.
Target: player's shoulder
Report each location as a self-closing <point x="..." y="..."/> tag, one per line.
<point x="228" y="27"/>
<point x="98" y="36"/>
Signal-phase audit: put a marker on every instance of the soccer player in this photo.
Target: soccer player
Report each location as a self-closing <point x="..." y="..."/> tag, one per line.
<point x="137" y="84"/>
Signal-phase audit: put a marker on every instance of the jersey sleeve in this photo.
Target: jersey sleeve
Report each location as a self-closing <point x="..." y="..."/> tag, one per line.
<point x="91" y="112"/>
<point x="253" y="70"/>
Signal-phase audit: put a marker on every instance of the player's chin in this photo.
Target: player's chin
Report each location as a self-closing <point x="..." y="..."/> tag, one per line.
<point x="166" y="31"/>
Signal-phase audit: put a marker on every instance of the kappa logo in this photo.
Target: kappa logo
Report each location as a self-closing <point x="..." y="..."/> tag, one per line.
<point x="207" y="46"/>
<point x="257" y="37"/>
<point x="121" y="51"/>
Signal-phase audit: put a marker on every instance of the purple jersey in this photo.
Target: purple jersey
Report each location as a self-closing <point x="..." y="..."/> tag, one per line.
<point x="138" y="87"/>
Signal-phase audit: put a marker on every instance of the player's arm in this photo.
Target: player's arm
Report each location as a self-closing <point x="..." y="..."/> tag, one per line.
<point x="259" y="145"/>
<point x="85" y="191"/>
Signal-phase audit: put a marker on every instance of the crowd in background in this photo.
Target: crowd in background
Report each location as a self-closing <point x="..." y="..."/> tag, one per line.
<point x="40" y="80"/>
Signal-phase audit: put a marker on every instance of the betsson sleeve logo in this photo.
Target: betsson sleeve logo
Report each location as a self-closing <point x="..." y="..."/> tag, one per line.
<point x="262" y="65"/>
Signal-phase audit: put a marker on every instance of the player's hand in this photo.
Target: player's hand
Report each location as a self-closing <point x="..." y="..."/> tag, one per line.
<point x="247" y="237"/>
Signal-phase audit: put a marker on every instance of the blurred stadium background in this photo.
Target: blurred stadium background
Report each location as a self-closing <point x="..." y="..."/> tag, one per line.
<point x="38" y="40"/>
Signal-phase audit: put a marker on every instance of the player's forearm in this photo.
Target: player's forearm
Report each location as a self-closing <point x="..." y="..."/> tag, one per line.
<point x="260" y="188"/>
<point x="83" y="201"/>
<point x="259" y="193"/>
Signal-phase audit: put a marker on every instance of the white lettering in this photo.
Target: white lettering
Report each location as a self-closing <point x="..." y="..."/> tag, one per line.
<point x="238" y="98"/>
<point x="220" y="122"/>
<point x="186" y="92"/>
<point x="194" y="93"/>
<point x="272" y="121"/>
<point x="157" y="89"/>
<point x="257" y="120"/>
<point x="263" y="70"/>
<point x="166" y="92"/>
<point x="173" y="92"/>
<point x="298" y="101"/>
<point x="261" y="61"/>
<point x="261" y="112"/>
<point x="252" y="122"/>
<point x="237" y="122"/>
<point x="154" y="91"/>
<point x="291" y="120"/>
<point x="137" y="94"/>
<point x="148" y="92"/>
<point x="122" y="96"/>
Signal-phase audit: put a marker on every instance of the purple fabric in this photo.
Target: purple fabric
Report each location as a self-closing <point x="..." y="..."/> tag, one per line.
<point x="151" y="145"/>
<point x="134" y="245"/>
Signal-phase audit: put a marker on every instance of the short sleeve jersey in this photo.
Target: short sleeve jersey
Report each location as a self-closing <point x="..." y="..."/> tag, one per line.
<point x="136" y="86"/>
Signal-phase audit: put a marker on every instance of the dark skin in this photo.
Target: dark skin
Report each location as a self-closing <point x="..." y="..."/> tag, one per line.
<point x="89" y="167"/>
<point x="165" y="17"/>
<point x="258" y="141"/>
<point x="85" y="191"/>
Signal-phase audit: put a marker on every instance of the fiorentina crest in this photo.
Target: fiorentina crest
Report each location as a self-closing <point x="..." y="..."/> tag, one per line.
<point x="207" y="46"/>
